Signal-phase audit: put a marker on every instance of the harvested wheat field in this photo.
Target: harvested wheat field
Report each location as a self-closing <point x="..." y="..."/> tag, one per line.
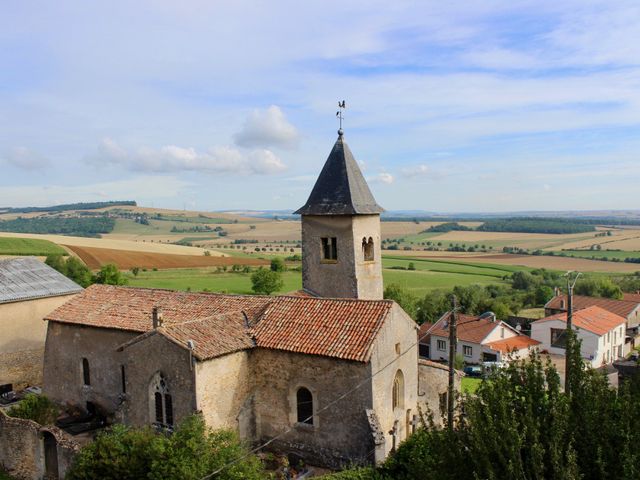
<point x="533" y="261"/>
<point x="114" y="244"/>
<point x="127" y="259"/>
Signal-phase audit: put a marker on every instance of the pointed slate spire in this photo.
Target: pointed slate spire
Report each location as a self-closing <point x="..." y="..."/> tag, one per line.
<point x="340" y="189"/>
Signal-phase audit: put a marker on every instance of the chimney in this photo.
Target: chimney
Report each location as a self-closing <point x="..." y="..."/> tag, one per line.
<point x="156" y="316"/>
<point x="556" y="291"/>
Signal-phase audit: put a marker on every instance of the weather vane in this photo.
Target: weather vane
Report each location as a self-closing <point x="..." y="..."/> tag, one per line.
<point x="340" y="114"/>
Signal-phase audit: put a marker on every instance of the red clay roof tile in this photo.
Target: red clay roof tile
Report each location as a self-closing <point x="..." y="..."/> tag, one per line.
<point x="594" y="319"/>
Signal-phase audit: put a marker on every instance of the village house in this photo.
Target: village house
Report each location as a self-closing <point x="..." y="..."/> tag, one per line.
<point x="330" y="374"/>
<point x="601" y="332"/>
<point x="628" y="308"/>
<point x="29" y="290"/>
<point x="479" y="339"/>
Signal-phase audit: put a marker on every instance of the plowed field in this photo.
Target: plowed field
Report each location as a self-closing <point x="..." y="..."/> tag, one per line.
<point x="126" y="259"/>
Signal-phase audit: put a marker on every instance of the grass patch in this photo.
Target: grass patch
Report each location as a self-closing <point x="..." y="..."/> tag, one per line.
<point x="29" y="246"/>
<point x="619" y="254"/>
<point x="470" y="384"/>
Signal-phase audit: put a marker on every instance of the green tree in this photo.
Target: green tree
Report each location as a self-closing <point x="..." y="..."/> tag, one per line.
<point x="135" y="271"/>
<point x="402" y="297"/>
<point x="266" y="282"/>
<point x="277" y="265"/>
<point x="110" y="275"/>
<point x="411" y="266"/>
<point x="56" y="262"/>
<point x="190" y="453"/>
<point x="77" y="271"/>
<point x="37" y="408"/>
<point x="522" y="280"/>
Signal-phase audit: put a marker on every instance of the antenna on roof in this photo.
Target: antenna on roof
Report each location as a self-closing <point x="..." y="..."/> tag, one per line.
<point x="340" y="114"/>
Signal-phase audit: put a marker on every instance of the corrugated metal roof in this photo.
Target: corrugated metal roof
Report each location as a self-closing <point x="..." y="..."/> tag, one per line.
<point x="26" y="278"/>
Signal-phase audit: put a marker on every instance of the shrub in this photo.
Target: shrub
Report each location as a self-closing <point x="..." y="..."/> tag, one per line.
<point x="266" y="281"/>
<point x="277" y="265"/>
<point x="37" y="408"/>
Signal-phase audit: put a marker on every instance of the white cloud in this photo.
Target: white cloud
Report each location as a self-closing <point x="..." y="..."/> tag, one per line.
<point x="172" y="158"/>
<point x="416" y="170"/>
<point x="25" y="159"/>
<point x="267" y="128"/>
<point x="382" y="178"/>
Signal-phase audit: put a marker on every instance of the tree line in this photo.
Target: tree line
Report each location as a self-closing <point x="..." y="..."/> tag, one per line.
<point x="76" y="226"/>
<point x="74" y="269"/>
<point x="71" y="206"/>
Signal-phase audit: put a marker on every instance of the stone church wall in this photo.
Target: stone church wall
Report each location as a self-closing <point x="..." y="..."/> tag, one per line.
<point x="223" y="391"/>
<point x="433" y="387"/>
<point x="395" y="350"/>
<point x="143" y="360"/>
<point x="22" y="449"/>
<point x="66" y="346"/>
<point x="341" y="434"/>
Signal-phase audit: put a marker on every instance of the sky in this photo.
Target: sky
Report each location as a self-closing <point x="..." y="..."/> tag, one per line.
<point x="472" y="106"/>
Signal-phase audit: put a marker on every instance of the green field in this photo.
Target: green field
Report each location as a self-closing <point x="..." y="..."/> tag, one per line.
<point x="619" y="254"/>
<point x="429" y="275"/>
<point x="29" y="246"/>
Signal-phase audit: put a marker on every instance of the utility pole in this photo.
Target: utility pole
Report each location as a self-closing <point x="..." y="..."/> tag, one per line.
<point x="569" y="341"/>
<point x="453" y="340"/>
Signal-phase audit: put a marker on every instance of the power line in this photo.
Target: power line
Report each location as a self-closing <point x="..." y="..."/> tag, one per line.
<point x="333" y="402"/>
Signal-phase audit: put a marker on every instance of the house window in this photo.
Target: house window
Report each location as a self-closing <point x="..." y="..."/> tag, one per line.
<point x="329" y="248"/>
<point x="558" y="337"/>
<point x="442" y="346"/>
<point x="367" y="249"/>
<point x="162" y="401"/>
<point x="397" y="394"/>
<point x="86" y="375"/>
<point x="467" y="350"/>
<point x="304" y="402"/>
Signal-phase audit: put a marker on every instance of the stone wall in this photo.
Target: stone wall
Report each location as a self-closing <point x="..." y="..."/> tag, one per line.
<point x="350" y="276"/>
<point x="395" y="351"/>
<point x="224" y="393"/>
<point x="433" y="384"/>
<point x="340" y="435"/>
<point x="22" y="336"/>
<point x="24" y="455"/>
<point x="143" y="360"/>
<point x="66" y="346"/>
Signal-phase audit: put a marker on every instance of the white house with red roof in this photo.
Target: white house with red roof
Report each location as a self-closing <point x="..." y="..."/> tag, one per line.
<point x="601" y="332"/>
<point x="479" y="339"/>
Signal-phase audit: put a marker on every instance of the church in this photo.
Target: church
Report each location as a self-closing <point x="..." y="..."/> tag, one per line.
<point x="330" y="373"/>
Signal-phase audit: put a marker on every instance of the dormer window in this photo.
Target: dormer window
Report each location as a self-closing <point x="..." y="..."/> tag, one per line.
<point x="329" y="248"/>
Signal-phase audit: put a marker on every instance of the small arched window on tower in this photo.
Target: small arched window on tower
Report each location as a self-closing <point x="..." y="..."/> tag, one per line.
<point x="397" y="395"/>
<point x="162" y="402"/>
<point x="86" y="374"/>
<point x="367" y="249"/>
<point x="304" y="403"/>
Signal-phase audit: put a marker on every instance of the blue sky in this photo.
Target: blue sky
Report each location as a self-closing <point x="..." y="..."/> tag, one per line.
<point x="210" y="105"/>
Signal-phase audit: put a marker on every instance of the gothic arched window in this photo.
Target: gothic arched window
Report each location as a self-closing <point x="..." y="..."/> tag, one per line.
<point x="161" y="399"/>
<point x="397" y="394"/>
<point x="367" y="249"/>
<point x="304" y="403"/>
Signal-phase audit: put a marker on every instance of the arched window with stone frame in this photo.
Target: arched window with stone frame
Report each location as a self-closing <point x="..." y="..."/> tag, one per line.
<point x="160" y="400"/>
<point x="397" y="394"/>
<point x="304" y="406"/>
<point x="367" y="249"/>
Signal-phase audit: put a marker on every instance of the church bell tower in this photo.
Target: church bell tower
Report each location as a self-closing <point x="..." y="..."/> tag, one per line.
<point x="341" y="254"/>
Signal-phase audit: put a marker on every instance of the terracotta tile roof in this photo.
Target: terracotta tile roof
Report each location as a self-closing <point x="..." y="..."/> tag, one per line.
<point x="213" y="336"/>
<point x="470" y="329"/>
<point x="593" y="319"/>
<point x="619" y="307"/>
<point x="510" y="344"/>
<point x="130" y="309"/>
<point x="340" y="328"/>
<point x="423" y="335"/>
<point x="631" y="297"/>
